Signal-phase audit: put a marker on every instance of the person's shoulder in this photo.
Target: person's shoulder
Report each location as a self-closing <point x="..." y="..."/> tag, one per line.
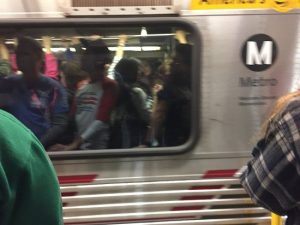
<point x="50" y="81"/>
<point x="9" y="123"/>
<point x="85" y="88"/>
<point x="47" y="83"/>
<point x="109" y="83"/>
<point x="138" y="90"/>
<point x="14" y="78"/>
<point x="287" y="116"/>
<point x="292" y="107"/>
<point x="47" y="79"/>
<point x="9" y="83"/>
<point x="12" y="129"/>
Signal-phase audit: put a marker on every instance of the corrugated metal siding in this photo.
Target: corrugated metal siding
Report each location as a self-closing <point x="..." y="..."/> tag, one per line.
<point x="157" y="202"/>
<point x="114" y="3"/>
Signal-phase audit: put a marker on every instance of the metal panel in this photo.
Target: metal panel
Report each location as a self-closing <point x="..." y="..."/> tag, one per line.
<point x="30" y="9"/>
<point x="258" y="220"/>
<point x="118" y="7"/>
<point x="150" y="206"/>
<point x="157" y="185"/>
<point x="162" y="214"/>
<point x="208" y="199"/>
<point x="224" y="141"/>
<point x="108" y="3"/>
<point x="228" y="122"/>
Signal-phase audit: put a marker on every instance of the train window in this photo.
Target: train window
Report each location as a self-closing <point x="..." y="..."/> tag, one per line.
<point x="87" y="88"/>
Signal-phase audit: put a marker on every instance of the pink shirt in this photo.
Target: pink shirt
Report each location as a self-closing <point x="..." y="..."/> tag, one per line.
<point x="51" y="66"/>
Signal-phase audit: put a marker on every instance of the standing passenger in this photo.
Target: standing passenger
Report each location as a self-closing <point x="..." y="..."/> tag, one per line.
<point x="272" y="176"/>
<point x="37" y="101"/>
<point x="95" y="101"/>
<point x="171" y="116"/>
<point x="131" y="116"/>
<point x="29" y="190"/>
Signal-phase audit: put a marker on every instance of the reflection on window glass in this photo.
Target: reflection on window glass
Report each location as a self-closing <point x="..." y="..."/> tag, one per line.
<point x="92" y="88"/>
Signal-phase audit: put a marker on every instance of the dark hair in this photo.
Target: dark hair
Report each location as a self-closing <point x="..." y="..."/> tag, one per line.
<point x="28" y="53"/>
<point x="95" y="56"/>
<point x="128" y="69"/>
<point x="28" y="43"/>
<point x="185" y="52"/>
<point x="73" y="73"/>
<point x="70" y="69"/>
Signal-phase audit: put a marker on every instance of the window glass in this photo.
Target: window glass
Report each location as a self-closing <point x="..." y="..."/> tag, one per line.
<point x="99" y="87"/>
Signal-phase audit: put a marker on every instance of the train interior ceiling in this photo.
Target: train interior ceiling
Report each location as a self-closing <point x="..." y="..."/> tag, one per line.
<point x="141" y="42"/>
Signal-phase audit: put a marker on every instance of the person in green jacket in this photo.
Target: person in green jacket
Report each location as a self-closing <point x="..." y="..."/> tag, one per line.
<point x="29" y="189"/>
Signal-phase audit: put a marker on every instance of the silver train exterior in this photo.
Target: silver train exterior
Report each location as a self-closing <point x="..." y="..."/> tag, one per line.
<point x="196" y="183"/>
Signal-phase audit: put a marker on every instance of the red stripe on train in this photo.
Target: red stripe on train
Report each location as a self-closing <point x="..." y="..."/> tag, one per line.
<point x="219" y="173"/>
<point x="77" y="179"/>
<point x="210" y="174"/>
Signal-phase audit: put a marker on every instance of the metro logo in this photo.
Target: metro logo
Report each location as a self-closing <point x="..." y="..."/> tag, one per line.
<point x="254" y="56"/>
<point x="259" y="52"/>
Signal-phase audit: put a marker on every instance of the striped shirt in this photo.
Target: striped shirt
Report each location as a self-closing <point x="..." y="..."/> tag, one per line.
<point x="94" y="104"/>
<point x="272" y="176"/>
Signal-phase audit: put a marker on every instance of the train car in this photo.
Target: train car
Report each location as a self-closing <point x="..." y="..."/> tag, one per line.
<point x="244" y="56"/>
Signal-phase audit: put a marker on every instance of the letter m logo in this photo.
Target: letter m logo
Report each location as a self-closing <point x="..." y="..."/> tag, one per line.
<point x="259" y="56"/>
<point x="259" y="52"/>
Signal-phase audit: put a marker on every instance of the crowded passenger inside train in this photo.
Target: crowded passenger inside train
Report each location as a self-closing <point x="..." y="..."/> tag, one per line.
<point x="93" y="89"/>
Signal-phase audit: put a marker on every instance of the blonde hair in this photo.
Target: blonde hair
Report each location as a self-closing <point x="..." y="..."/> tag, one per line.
<point x="277" y="110"/>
